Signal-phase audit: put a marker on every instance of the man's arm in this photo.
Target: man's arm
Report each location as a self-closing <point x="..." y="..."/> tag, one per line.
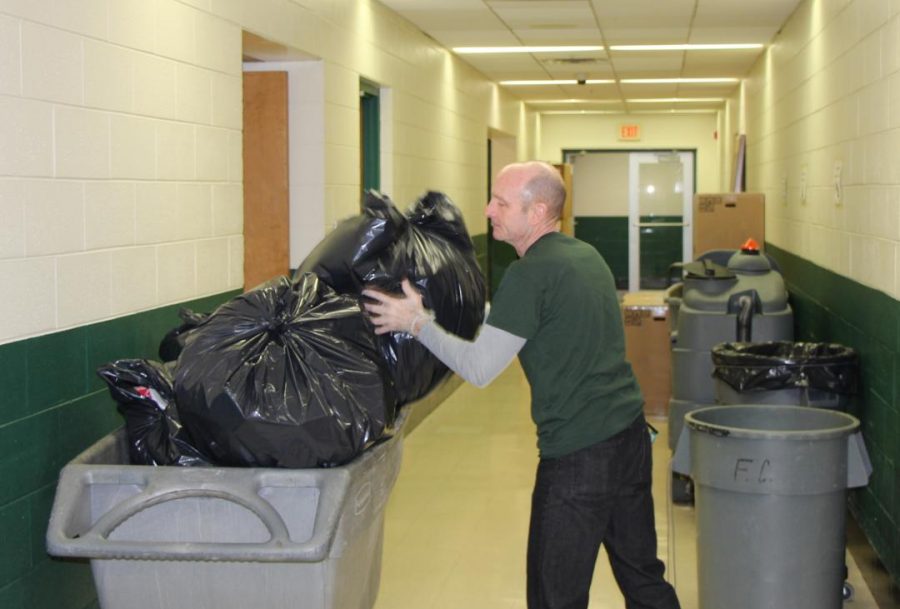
<point x="478" y="362"/>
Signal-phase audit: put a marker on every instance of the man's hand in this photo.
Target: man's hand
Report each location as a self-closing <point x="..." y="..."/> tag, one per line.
<point x="396" y="313"/>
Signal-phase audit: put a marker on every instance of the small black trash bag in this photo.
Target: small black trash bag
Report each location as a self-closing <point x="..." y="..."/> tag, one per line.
<point x="171" y="345"/>
<point x="774" y="365"/>
<point x="286" y="375"/>
<point x="352" y="252"/>
<point x="143" y="391"/>
<point x="431" y="247"/>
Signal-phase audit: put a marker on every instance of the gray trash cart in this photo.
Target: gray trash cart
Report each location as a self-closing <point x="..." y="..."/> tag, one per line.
<point x="771" y="487"/>
<point x="226" y="538"/>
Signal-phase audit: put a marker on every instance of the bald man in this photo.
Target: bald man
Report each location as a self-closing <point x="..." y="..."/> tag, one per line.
<point x="557" y="309"/>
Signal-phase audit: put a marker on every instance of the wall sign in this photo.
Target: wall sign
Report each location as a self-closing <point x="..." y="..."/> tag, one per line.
<point x="629" y="132"/>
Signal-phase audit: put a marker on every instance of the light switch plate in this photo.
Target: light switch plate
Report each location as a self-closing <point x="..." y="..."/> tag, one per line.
<point x="837" y="181"/>
<point x="803" y="179"/>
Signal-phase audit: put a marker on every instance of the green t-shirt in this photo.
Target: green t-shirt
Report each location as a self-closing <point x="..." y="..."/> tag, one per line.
<point x="561" y="297"/>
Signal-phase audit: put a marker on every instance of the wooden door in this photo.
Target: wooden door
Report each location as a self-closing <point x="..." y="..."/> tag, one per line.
<point x="567" y="221"/>
<point x="266" y="194"/>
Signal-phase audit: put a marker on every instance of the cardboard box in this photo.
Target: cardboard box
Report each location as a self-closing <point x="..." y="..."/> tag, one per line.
<point x="647" y="347"/>
<point x="725" y="221"/>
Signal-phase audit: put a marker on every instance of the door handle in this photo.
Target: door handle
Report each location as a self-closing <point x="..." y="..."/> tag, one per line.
<point x="659" y="224"/>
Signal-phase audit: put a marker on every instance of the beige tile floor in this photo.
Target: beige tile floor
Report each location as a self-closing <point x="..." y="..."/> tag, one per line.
<point x="457" y="520"/>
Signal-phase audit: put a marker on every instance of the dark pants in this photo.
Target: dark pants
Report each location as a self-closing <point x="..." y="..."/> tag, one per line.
<point x="599" y="494"/>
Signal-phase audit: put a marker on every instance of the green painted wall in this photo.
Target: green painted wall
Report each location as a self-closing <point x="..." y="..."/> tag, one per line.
<point x="52" y="407"/>
<point x="831" y="308"/>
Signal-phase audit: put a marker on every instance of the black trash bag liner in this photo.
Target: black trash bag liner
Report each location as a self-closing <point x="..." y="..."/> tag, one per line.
<point x="145" y="397"/>
<point x="286" y="375"/>
<point x="777" y="365"/>
<point x="171" y="345"/>
<point x="352" y="251"/>
<point x="429" y="245"/>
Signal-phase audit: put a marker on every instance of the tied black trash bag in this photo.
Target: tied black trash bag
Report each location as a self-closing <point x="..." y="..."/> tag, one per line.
<point x="351" y="254"/>
<point x="171" y="345"/>
<point x="286" y="375"/>
<point x="777" y="365"/>
<point x="143" y="391"/>
<point x="429" y="245"/>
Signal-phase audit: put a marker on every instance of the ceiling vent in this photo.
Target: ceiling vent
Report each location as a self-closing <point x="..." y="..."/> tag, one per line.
<point x="575" y="61"/>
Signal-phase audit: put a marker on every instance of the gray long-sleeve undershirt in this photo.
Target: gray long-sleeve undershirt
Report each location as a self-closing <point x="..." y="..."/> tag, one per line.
<point x="480" y="361"/>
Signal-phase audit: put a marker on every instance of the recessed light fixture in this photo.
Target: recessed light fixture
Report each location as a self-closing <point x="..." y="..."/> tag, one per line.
<point x="574" y="101"/>
<point x="577" y="112"/>
<point x="521" y="49"/>
<point x="517" y="83"/>
<point x="647" y="81"/>
<point x="684" y="47"/>
<point x="675" y="111"/>
<point x="674" y="100"/>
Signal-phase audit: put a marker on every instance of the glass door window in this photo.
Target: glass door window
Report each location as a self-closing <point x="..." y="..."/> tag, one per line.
<point x="661" y="188"/>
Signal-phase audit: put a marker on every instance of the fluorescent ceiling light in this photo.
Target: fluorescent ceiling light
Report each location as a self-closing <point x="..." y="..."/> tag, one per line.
<point x="674" y="100"/>
<point x="675" y="111"/>
<point x="581" y="112"/>
<point x="632" y="112"/>
<point x="683" y="47"/>
<point x="555" y="82"/>
<point x="520" y="49"/>
<point x="573" y="101"/>
<point x="647" y="81"/>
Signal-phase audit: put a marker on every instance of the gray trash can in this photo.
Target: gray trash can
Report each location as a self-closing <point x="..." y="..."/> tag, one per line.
<point x="770" y="497"/>
<point x="226" y="538"/>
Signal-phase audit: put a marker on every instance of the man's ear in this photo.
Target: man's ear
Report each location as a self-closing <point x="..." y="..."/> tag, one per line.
<point x="540" y="211"/>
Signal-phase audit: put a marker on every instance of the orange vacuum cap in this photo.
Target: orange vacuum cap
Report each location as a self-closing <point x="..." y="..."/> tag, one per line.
<point x="750" y="246"/>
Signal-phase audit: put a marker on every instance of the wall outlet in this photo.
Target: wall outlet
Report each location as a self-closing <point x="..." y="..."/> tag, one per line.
<point x="803" y="180"/>
<point x="837" y="181"/>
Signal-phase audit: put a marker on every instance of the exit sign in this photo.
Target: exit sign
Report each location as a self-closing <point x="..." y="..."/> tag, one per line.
<point x="629" y="132"/>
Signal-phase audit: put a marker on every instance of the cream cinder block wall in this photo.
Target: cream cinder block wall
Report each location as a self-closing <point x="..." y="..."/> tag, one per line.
<point x="120" y="166"/>
<point x="827" y="92"/>
<point x="729" y="130"/>
<point x="565" y="131"/>
<point x="121" y="169"/>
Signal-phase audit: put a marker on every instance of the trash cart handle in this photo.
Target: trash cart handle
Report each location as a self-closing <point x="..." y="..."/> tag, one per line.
<point x="95" y="542"/>
<point x="270" y="518"/>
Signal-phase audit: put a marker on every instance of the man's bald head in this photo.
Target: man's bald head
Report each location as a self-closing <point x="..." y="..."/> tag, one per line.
<point x="542" y="184"/>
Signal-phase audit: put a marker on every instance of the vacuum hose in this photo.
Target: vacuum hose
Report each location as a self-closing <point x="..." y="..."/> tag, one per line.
<point x="745" y="319"/>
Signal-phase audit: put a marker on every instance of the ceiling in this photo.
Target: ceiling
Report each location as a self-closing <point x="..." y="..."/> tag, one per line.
<point x="465" y="23"/>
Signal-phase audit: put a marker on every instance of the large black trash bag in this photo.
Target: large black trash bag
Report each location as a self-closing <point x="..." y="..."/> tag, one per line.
<point x="436" y="254"/>
<point x="429" y="245"/>
<point x="145" y="397"/>
<point x="774" y="365"/>
<point x="286" y="375"/>
<point x="171" y="345"/>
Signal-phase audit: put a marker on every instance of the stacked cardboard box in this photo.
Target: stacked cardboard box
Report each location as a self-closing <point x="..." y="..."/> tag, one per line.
<point x="727" y="220"/>
<point x="647" y="346"/>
